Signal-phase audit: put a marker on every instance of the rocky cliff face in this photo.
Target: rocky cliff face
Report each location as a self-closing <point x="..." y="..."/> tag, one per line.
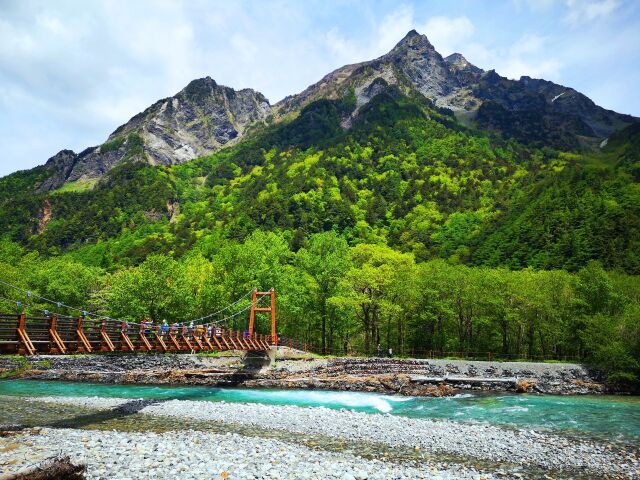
<point x="197" y="121"/>
<point x="528" y="109"/>
<point x="59" y="168"/>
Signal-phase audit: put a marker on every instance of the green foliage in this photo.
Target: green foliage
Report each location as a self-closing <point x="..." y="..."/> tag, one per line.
<point x="77" y="186"/>
<point x="135" y="146"/>
<point x="406" y="230"/>
<point x="21" y="183"/>
<point x="112" y="145"/>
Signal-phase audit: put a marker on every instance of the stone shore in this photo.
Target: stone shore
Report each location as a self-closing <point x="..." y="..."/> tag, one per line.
<point x="195" y="455"/>
<point x="389" y="375"/>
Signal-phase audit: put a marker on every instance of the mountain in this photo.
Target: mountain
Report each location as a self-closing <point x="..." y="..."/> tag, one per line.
<point x="197" y="121"/>
<point x="530" y="110"/>
<point x="205" y="116"/>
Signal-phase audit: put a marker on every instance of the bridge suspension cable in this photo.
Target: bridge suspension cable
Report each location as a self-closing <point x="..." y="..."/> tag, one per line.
<point x="222" y="309"/>
<point x="85" y="313"/>
<point x="218" y="322"/>
<point x="20" y="303"/>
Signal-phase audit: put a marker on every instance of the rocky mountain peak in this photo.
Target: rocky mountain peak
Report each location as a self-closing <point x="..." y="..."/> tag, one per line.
<point x="60" y="158"/>
<point x="197" y="121"/>
<point x="457" y="62"/>
<point x="199" y="89"/>
<point x="412" y="41"/>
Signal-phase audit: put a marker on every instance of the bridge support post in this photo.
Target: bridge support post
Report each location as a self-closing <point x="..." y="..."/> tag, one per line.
<point x="270" y="309"/>
<point x="83" y="342"/>
<point x="252" y="318"/>
<point x="23" y="337"/>
<point x="56" y="345"/>
<point x="106" y="345"/>
<point x="274" y="334"/>
<point x="143" y="341"/>
<point x="125" y="341"/>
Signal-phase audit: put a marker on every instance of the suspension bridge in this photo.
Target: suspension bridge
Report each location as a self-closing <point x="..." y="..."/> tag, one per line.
<point x="88" y="332"/>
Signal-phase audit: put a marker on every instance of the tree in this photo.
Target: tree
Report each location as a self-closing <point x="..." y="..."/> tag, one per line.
<point x="325" y="260"/>
<point x="369" y="282"/>
<point x="148" y="291"/>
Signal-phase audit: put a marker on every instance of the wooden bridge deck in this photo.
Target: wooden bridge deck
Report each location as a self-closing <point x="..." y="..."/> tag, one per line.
<point x="54" y="334"/>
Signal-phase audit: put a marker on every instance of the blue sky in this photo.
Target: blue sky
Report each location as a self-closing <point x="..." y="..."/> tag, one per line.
<point x="72" y="71"/>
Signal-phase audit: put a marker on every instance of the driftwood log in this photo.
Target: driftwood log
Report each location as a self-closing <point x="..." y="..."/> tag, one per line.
<point x="54" y="468"/>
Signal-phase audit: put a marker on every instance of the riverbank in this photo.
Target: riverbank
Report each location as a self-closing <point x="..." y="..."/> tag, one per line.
<point x="293" y="370"/>
<point x="443" y="448"/>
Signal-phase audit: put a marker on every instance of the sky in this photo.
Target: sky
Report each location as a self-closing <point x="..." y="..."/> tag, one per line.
<point x="72" y="71"/>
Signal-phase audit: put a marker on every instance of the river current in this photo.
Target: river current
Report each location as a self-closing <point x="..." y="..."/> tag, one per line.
<point x="607" y="417"/>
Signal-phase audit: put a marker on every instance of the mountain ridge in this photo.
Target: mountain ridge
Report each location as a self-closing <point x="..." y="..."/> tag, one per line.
<point x="205" y="116"/>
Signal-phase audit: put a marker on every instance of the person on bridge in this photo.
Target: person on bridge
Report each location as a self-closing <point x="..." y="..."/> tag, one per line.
<point x="165" y="328"/>
<point x="190" y="330"/>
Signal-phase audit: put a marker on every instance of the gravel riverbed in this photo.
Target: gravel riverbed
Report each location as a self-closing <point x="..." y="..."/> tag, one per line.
<point x="201" y="455"/>
<point x="529" y="448"/>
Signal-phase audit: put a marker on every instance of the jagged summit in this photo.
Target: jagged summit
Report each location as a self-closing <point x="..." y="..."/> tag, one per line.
<point x="413" y="39"/>
<point x="458" y="62"/>
<point x="411" y="33"/>
<point x="563" y="117"/>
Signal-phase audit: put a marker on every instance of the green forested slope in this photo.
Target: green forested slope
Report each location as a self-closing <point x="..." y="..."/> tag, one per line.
<point x="414" y="209"/>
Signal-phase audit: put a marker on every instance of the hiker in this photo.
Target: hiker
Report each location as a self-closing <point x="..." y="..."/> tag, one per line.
<point x="390" y="352"/>
<point x="380" y="351"/>
<point x="190" y="329"/>
<point x="165" y="328"/>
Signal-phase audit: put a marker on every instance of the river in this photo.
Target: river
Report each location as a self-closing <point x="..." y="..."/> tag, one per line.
<point x="612" y="418"/>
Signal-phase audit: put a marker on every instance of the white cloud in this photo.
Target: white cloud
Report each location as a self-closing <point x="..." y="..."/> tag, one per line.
<point x="580" y="10"/>
<point x="393" y="27"/>
<point x="528" y="56"/>
<point x="385" y="35"/>
<point x="448" y="35"/>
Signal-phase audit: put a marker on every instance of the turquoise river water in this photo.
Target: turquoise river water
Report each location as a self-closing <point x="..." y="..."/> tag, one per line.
<point x="610" y="417"/>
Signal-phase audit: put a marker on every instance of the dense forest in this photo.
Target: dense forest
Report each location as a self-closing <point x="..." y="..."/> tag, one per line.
<point x="406" y="230"/>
